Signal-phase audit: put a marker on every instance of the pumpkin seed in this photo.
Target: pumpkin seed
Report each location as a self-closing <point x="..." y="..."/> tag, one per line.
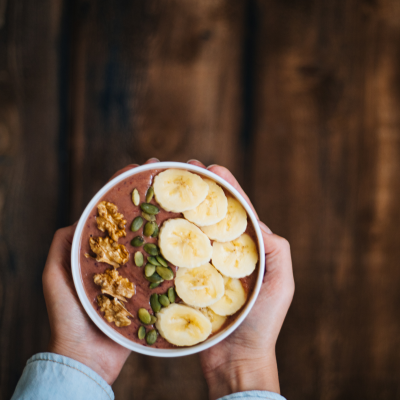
<point x="149" y="269"/>
<point x="137" y="241"/>
<point x="148" y="217"/>
<point x="171" y="295"/>
<point x="141" y="332"/>
<point x="163" y="299"/>
<point x="155" y="304"/>
<point x="153" y="285"/>
<point x="149" y="228"/>
<point x="162" y="261"/>
<point x="153" y="319"/>
<point x="144" y="316"/>
<point x="149" y="208"/>
<point x="155" y="233"/>
<point x="154" y="278"/>
<point x="165" y="273"/>
<point x="152" y="249"/>
<point x="135" y="197"/>
<point x="139" y="258"/>
<point x="149" y="194"/>
<point x="153" y="260"/>
<point x="136" y="224"/>
<point x="151" y="337"/>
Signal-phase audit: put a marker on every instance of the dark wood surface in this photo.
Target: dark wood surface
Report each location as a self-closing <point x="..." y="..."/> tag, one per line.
<point x="300" y="99"/>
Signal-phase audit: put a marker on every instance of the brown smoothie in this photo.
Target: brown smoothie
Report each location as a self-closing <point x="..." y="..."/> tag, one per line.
<point x="120" y="195"/>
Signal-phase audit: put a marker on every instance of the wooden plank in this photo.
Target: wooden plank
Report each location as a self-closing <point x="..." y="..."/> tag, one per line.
<point x="154" y="79"/>
<point x="30" y="186"/>
<point x="327" y="151"/>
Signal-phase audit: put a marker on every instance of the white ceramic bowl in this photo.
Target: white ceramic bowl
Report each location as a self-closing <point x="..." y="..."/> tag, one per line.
<point x="100" y="322"/>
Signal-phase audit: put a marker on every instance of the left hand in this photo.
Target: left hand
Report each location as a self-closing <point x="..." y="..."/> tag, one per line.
<point x="73" y="334"/>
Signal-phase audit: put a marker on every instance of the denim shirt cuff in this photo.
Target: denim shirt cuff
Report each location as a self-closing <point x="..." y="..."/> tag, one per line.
<point x="52" y="376"/>
<point x="253" y="395"/>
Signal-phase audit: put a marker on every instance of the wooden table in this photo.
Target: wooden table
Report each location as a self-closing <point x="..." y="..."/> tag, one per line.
<point x="300" y="99"/>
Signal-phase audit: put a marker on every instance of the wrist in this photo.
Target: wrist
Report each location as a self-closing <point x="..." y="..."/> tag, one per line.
<point x="82" y="356"/>
<point x="243" y="375"/>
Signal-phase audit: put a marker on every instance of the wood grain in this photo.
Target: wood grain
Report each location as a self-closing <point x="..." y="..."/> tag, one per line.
<point x="30" y="186"/>
<point x="326" y="145"/>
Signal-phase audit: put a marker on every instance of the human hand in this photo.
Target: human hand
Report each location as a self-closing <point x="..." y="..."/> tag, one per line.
<point x="246" y="359"/>
<point x="73" y="334"/>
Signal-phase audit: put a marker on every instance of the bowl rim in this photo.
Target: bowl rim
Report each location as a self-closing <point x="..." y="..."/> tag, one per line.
<point x="101" y="323"/>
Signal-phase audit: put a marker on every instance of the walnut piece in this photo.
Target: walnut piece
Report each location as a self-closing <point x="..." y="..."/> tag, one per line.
<point x="114" y="311"/>
<point x="108" y="251"/>
<point x="115" y="285"/>
<point x="111" y="220"/>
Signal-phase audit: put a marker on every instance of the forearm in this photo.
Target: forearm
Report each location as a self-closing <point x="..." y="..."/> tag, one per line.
<point x="241" y="376"/>
<point x="49" y="376"/>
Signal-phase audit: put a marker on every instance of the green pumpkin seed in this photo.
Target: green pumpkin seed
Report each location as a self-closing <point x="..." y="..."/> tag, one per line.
<point x="149" y="270"/>
<point x="149" y="194"/>
<point x="165" y="273"/>
<point x="162" y="261"/>
<point x="155" y="233"/>
<point x="148" y="217"/>
<point x="149" y="228"/>
<point x="163" y="299"/>
<point x="153" y="319"/>
<point x="137" y="241"/>
<point x="139" y="259"/>
<point x="152" y="249"/>
<point x="149" y="208"/>
<point x="141" y="332"/>
<point x="135" y="197"/>
<point x="171" y="295"/>
<point x="153" y="260"/>
<point x="136" y="224"/>
<point x="154" y="278"/>
<point x="151" y="337"/>
<point x="153" y="285"/>
<point x="155" y="304"/>
<point x="144" y="316"/>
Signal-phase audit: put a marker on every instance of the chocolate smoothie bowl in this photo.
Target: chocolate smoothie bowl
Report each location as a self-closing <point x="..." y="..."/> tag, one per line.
<point x="167" y="259"/>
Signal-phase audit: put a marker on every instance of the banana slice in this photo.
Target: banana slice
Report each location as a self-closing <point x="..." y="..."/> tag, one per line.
<point x="216" y="320"/>
<point x="183" y="325"/>
<point x="178" y="190"/>
<point x="212" y="210"/>
<point x="231" y="227"/>
<point x="184" y="244"/>
<point x="199" y="287"/>
<point x="233" y="300"/>
<point x="237" y="258"/>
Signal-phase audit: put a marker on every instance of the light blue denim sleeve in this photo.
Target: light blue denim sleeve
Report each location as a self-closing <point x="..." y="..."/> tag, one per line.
<point x="253" y="395"/>
<point x="51" y="376"/>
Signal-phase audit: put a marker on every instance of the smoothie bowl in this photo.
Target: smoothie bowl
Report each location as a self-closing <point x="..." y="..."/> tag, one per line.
<point x="167" y="259"/>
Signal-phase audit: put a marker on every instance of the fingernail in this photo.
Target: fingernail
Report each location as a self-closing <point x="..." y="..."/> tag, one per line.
<point x="264" y="228"/>
<point x="212" y="165"/>
<point x="192" y="159"/>
<point x="154" y="159"/>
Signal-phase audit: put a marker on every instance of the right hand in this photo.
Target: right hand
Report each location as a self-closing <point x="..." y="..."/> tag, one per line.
<point x="246" y="359"/>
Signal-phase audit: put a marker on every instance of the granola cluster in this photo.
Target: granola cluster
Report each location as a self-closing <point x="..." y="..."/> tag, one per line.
<point x="115" y="285"/>
<point x="108" y="251"/>
<point x="114" y="311"/>
<point x="110" y="220"/>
